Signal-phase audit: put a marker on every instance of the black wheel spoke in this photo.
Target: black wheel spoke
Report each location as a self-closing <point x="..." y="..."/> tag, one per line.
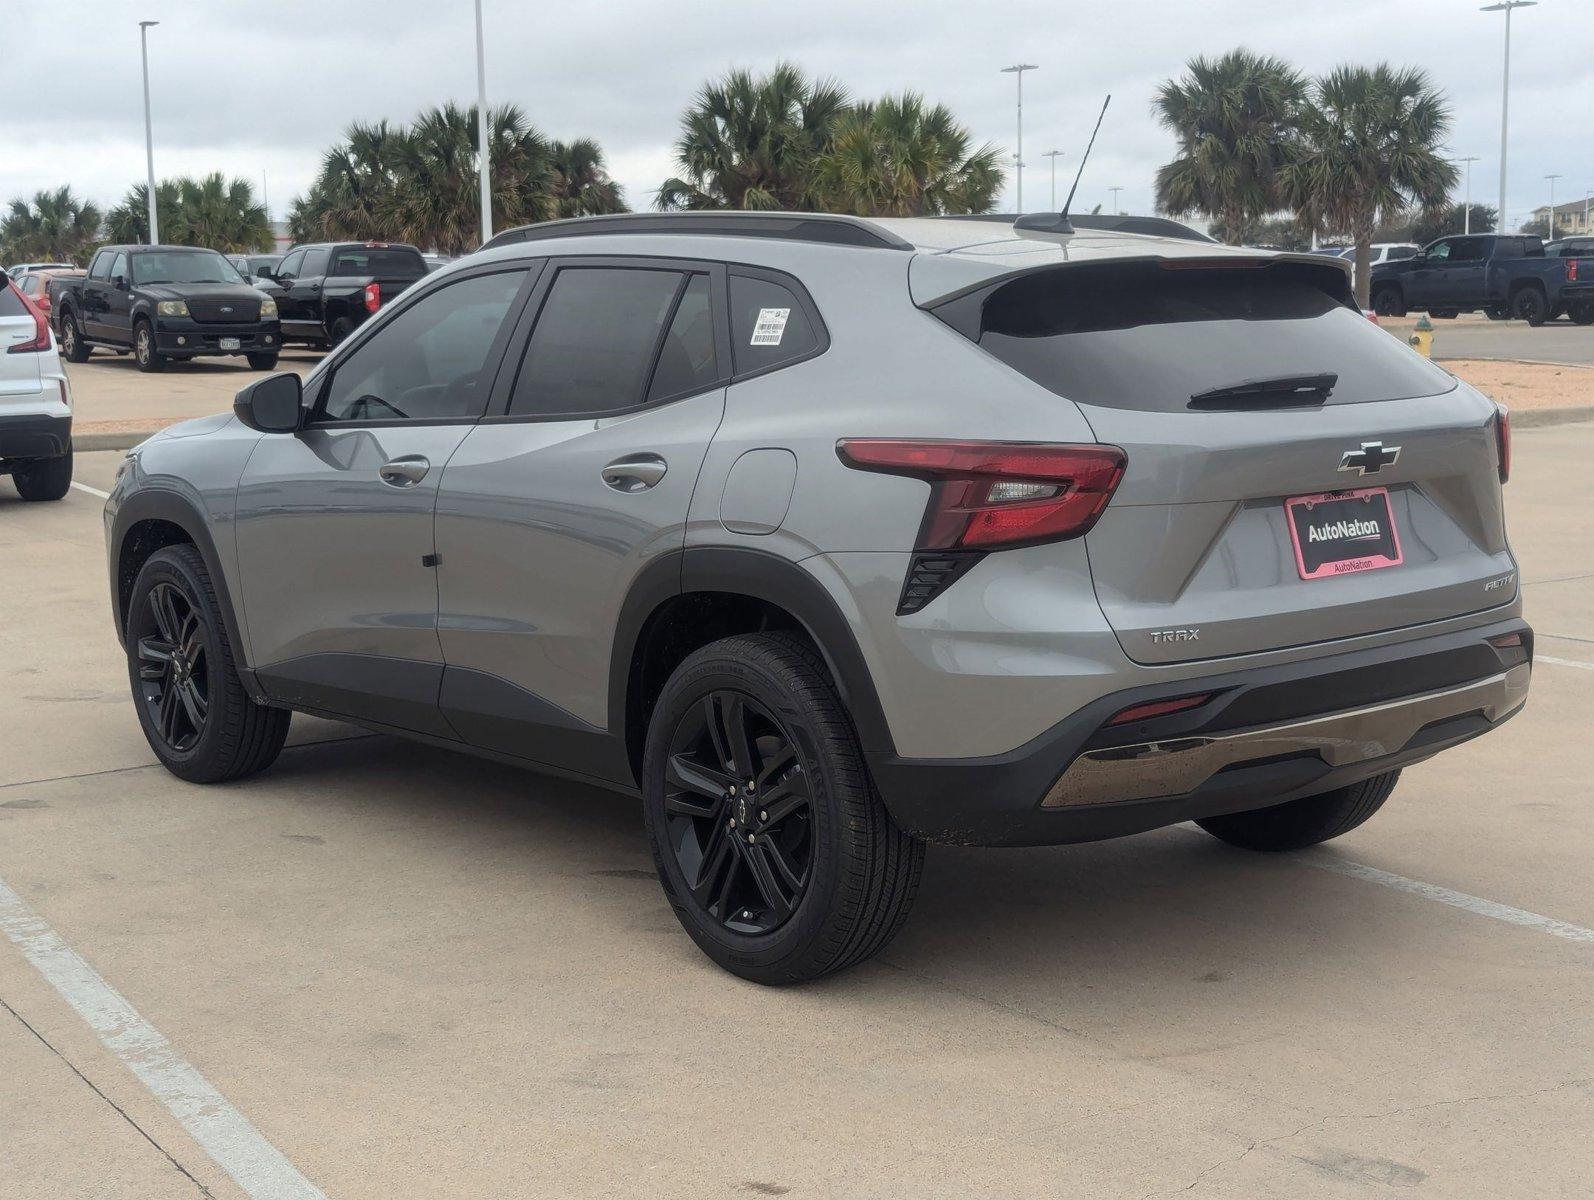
<point x="717" y="857"/>
<point x="795" y="879"/>
<point x="780" y="761"/>
<point x="193" y="702"/>
<point x="785" y="798"/>
<point x="170" y="663"/>
<point x="160" y="602"/>
<point x="764" y="879"/>
<point x="695" y="777"/>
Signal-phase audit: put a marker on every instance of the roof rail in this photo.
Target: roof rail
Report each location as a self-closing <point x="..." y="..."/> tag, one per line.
<point x="831" y="229"/>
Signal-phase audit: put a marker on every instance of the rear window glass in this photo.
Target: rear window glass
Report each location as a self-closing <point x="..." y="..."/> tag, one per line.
<point x="1146" y="338"/>
<point x="11" y="304"/>
<point x="391" y="263"/>
<point x="769" y="325"/>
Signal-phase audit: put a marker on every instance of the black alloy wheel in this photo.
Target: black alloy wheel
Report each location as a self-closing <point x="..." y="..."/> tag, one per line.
<point x="739" y="813"/>
<point x="173" y="670"/>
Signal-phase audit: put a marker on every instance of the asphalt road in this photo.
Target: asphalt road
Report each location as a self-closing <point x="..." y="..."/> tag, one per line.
<point x="381" y="970"/>
<point x="1561" y="341"/>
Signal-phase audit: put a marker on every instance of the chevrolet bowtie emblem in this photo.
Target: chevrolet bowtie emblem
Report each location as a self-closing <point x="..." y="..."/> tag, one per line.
<point x="1372" y="458"/>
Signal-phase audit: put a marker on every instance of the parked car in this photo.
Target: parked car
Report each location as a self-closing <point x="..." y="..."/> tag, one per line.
<point x="1383" y="252"/>
<point x="16" y="269"/>
<point x="1504" y="275"/>
<point x="166" y="303"/>
<point x="830" y="536"/>
<point x="255" y="267"/>
<point x="35" y="401"/>
<point x="1580" y="311"/>
<point x="36" y="285"/>
<point x="327" y="291"/>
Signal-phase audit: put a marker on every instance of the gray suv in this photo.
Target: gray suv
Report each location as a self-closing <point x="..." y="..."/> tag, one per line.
<point x="830" y="537"/>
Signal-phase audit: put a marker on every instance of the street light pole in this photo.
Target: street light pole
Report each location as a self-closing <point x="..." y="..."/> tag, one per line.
<point x="149" y="133"/>
<point x="1054" y="155"/>
<point x="1552" y="179"/>
<point x="1505" y="90"/>
<point x="1115" y="191"/>
<point x="1017" y="69"/>
<point x="483" y="166"/>
<point x="1466" y="210"/>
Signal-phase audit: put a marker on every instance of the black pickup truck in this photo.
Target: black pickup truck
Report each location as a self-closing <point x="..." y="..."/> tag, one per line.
<point x="327" y="291"/>
<point x="165" y="303"/>
<point x="1504" y="275"/>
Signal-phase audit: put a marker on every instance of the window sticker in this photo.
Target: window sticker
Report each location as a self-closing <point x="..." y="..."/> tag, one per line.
<point x="770" y="327"/>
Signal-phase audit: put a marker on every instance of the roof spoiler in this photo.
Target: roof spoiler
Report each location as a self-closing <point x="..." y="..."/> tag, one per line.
<point x="1053" y="223"/>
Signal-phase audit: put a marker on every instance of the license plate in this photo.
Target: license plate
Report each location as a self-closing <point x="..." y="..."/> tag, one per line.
<point x="231" y="344"/>
<point x="1340" y="533"/>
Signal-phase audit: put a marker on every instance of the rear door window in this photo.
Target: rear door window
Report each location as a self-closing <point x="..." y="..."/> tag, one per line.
<point x="1138" y="336"/>
<point x="687" y="360"/>
<point x="770" y="324"/>
<point x="315" y="264"/>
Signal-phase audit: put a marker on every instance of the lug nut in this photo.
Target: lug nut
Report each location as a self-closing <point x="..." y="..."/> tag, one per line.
<point x="762" y="815"/>
<point x="733" y="822"/>
<point x="733" y="789"/>
<point x="751" y="839"/>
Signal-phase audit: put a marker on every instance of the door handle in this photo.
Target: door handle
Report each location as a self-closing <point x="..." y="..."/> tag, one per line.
<point x="635" y="473"/>
<point x="405" y="472"/>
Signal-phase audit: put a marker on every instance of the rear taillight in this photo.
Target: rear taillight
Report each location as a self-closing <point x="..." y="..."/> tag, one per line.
<point x="1571" y="270"/>
<point x="373" y="297"/>
<point x="41" y="328"/>
<point x="1502" y="439"/>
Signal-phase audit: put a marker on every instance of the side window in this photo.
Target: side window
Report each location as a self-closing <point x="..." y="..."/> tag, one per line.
<point x="29" y="285"/>
<point x="1468" y="250"/>
<point x="100" y="268"/>
<point x="290" y="265"/>
<point x="119" y="267"/>
<point x="686" y="359"/>
<point x="315" y="263"/>
<point x="1396" y="253"/>
<point x="769" y="325"/>
<point x="1441" y="251"/>
<point x="594" y="342"/>
<point x="430" y="362"/>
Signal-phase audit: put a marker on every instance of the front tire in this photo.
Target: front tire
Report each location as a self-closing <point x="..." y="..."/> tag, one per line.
<point x="1530" y="305"/>
<point x="44" y="478"/>
<point x="1304" y="822"/>
<point x="191" y="703"/>
<point x="73" y="348"/>
<point x="145" y="353"/>
<point x="262" y="362"/>
<point x="801" y="875"/>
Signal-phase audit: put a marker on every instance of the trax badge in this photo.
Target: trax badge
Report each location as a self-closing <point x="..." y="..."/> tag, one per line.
<point x="1372" y="458"/>
<point x="1176" y="635"/>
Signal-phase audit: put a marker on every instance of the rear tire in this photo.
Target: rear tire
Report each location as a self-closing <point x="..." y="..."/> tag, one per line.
<point x="262" y="362"/>
<point x="145" y="353"/>
<point x="73" y="348"/>
<point x="1443" y="314"/>
<point x="1304" y="822"/>
<point x="341" y="328"/>
<point x="194" y="711"/>
<point x="1388" y="301"/>
<point x="1530" y="305"/>
<point x="45" y="478"/>
<point x="825" y="878"/>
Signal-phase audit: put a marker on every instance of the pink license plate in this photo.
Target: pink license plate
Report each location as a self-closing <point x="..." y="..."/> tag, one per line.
<point x="1340" y="533"/>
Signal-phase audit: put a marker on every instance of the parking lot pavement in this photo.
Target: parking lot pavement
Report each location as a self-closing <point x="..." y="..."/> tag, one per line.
<point x="1560" y="341"/>
<point x="416" y="974"/>
<point x="111" y="388"/>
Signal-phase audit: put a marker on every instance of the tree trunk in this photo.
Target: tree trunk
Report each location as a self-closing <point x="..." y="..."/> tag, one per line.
<point x="1364" y="267"/>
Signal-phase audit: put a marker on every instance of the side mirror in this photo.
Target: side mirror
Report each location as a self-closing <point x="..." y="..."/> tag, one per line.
<point x="263" y="272"/>
<point x="119" y="282"/>
<point x="273" y="404"/>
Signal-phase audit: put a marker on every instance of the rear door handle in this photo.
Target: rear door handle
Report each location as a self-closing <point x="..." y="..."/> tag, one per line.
<point x="405" y="472"/>
<point x="635" y="473"/>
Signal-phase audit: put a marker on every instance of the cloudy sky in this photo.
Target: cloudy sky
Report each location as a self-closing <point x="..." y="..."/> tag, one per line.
<point x="253" y="89"/>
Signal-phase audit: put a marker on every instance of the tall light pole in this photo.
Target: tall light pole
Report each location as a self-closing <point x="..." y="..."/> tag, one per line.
<point x="1054" y="155"/>
<point x="149" y="133"/>
<point x="1466" y="208"/>
<point x="1505" y="6"/>
<point x="1552" y="179"/>
<point x="1017" y="69"/>
<point x="1115" y="191"/>
<point x="483" y="166"/>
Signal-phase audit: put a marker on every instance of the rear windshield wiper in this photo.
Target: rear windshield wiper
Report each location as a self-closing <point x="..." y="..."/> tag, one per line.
<point x="1281" y="392"/>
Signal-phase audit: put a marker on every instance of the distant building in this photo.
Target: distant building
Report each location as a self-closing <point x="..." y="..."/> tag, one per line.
<point x="1571" y="218"/>
<point x="279" y="234"/>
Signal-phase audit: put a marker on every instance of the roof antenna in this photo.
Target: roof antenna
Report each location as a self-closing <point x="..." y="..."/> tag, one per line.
<point x="1045" y="223"/>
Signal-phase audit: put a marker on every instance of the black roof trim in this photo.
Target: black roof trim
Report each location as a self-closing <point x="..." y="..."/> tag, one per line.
<point x="829" y="228"/>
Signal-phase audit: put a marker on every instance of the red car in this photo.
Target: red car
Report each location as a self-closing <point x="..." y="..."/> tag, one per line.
<point x="35" y="285"/>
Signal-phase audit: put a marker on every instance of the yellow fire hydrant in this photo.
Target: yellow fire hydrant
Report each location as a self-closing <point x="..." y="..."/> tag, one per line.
<point x="1421" y="339"/>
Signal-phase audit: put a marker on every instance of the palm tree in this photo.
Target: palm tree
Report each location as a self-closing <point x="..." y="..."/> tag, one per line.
<point x="897" y="157"/>
<point x="213" y="211"/>
<point x="1234" y="118"/>
<point x="129" y="220"/>
<point x="1369" y="148"/>
<point x="581" y="185"/>
<point x="353" y="194"/>
<point x="750" y="142"/>
<point x="55" y="226"/>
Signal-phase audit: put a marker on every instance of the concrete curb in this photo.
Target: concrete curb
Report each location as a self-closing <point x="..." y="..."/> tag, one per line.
<point x="1534" y="418"/>
<point x="87" y="443"/>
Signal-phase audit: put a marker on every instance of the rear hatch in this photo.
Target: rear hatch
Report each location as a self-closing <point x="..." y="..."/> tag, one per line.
<point x="1238" y="388"/>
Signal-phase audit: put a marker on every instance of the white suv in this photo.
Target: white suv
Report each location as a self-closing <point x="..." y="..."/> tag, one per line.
<point x="35" y="401"/>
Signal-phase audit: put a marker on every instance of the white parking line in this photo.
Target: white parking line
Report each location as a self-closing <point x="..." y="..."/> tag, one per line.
<point x="1564" y="662"/>
<point x="1476" y="905"/>
<point x="93" y="491"/>
<point x="223" y="1132"/>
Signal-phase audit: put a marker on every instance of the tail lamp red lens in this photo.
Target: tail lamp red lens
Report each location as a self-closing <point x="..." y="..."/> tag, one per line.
<point x="40" y="341"/>
<point x="1160" y="708"/>
<point x="373" y="297"/>
<point x="991" y="495"/>
<point x="1571" y="270"/>
<point x="1502" y="439"/>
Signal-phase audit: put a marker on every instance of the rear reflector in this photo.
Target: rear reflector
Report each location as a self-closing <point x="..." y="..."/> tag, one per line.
<point x="1160" y="708"/>
<point x="1502" y="439"/>
<point x="995" y="495"/>
<point x="1505" y="641"/>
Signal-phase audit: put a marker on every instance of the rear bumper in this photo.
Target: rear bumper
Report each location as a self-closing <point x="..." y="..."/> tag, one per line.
<point x="1267" y="736"/>
<point x="34" y="435"/>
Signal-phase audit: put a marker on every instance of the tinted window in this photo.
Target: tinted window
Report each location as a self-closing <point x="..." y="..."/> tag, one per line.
<point x="100" y="268"/>
<point x="11" y="304"/>
<point x="686" y="360"/>
<point x="1509" y="248"/>
<point x="315" y="263"/>
<point x="1469" y="249"/>
<point x="181" y="266"/>
<point x="1142" y="337"/>
<point x="1396" y="253"/>
<point x="29" y="285"/>
<point x="389" y="264"/>
<point x="431" y="361"/>
<point x="594" y="342"/>
<point x="769" y="326"/>
<point x="290" y="265"/>
<point x="119" y="267"/>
